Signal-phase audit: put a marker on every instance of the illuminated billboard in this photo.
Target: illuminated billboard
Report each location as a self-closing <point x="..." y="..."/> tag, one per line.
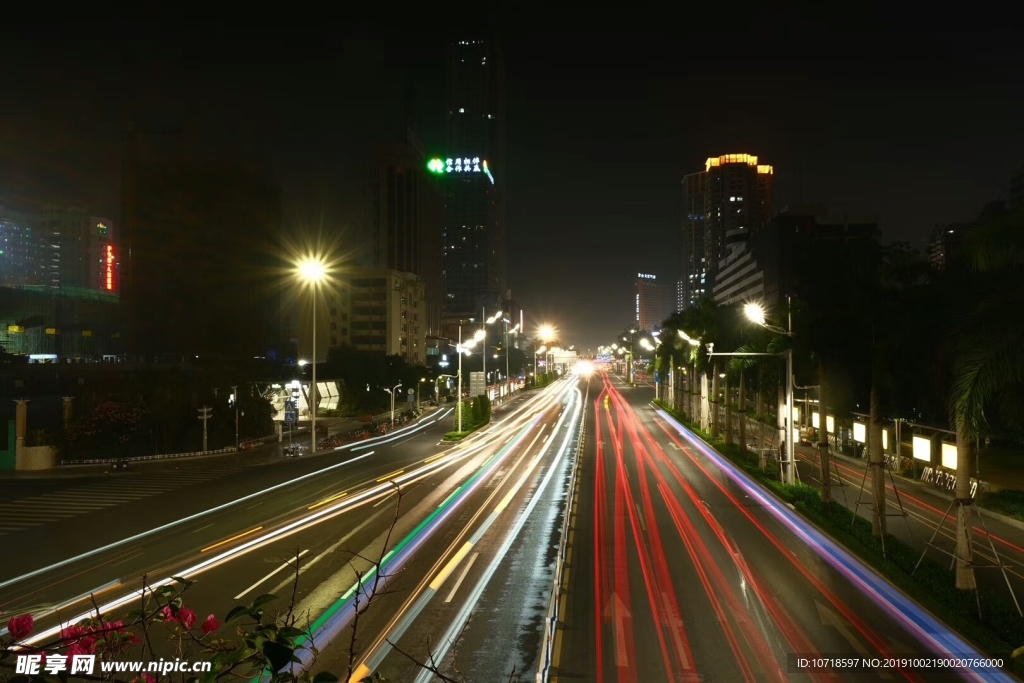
<point x="460" y="165"/>
<point x="110" y="268"/>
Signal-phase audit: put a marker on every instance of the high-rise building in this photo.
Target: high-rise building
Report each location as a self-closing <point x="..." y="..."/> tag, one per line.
<point x="473" y="168"/>
<point x="57" y="248"/>
<point x="407" y="209"/>
<point x="945" y="244"/>
<point x="694" y="264"/>
<point x="380" y="310"/>
<point x="653" y="302"/>
<point x="727" y="202"/>
<point x="201" y="262"/>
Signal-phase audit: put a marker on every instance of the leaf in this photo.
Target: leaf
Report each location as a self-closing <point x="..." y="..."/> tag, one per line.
<point x="325" y="677"/>
<point x="185" y="583"/>
<point x="236" y="612"/>
<point x="290" y="632"/>
<point x="277" y="655"/>
<point x="262" y="600"/>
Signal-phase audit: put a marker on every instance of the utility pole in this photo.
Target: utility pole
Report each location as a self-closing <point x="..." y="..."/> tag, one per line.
<point x="204" y="415"/>
<point x="234" y="399"/>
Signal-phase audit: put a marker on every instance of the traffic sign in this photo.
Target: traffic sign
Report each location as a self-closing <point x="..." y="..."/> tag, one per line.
<point x="290" y="417"/>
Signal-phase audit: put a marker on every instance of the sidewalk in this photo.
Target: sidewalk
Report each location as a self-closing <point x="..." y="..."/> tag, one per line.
<point x="810" y="453"/>
<point x="266" y="454"/>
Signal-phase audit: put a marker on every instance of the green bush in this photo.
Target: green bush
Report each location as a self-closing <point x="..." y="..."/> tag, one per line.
<point x="999" y="630"/>
<point x="1007" y="502"/>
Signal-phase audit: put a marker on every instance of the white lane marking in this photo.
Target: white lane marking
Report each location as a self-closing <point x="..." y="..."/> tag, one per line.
<point x="462" y="577"/>
<point x="330" y="550"/>
<point x="640" y="516"/>
<point x="203" y="527"/>
<point x="288" y="563"/>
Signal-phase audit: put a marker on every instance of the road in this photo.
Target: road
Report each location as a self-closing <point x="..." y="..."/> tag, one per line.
<point x="61" y="519"/>
<point x="478" y="610"/>
<point x="338" y="519"/>
<point x="684" y="570"/>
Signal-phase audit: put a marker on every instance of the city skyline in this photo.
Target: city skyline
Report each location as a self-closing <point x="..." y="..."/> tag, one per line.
<point x="862" y="149"/>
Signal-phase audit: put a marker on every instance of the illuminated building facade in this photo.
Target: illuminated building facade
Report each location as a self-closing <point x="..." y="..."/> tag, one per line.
<point x="653" y="302"/>
<point x="379" y="310"/>
<point x="727" y="202"/>
<point x="57" y="248"/>
<point x="473" y="227"/>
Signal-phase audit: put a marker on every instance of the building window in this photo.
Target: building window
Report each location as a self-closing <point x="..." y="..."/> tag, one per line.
<point x="334" y="326"/>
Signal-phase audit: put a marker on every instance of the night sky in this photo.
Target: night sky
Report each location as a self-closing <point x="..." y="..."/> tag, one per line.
<point x="914" y="124"/>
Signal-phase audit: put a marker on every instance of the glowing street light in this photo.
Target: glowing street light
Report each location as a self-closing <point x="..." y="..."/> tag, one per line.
<point x="755" y="313"/>
<point x="546" y="333"/>
<point x="312" y="271"/>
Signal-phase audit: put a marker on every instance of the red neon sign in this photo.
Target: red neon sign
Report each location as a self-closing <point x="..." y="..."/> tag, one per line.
<point x="110" y="267"/>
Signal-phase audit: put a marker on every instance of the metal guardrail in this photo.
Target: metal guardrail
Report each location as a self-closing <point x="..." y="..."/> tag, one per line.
<point x="171" y="456"/>
<point x="558" y="591"/>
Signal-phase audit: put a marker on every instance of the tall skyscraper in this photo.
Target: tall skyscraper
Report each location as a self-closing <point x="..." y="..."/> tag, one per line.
<point x="473" y="169"/>
<point x="202" y="246"/>
<point x="693" y="258"/>
<point x="728" y="201"/>
<point x="406" y="213"/>
<point x="654" y="302"/>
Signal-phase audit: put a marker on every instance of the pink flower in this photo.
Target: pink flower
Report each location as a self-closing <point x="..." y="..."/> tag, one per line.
<point x="143" y="678"/>
<point x="187" y="617"/>
<point x="210" y="625"/>
<point x="168" y="614"/>
<point x="72" y="632"/>
<point x="20" y="627"/>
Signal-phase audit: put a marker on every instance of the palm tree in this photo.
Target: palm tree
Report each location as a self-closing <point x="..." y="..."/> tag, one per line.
<point x="988" y="366"/>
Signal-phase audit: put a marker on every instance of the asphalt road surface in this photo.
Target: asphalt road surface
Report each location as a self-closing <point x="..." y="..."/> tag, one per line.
<point x="478" y="610"/>
<point x="399" y="508"/>
<point x="683" y="571"/>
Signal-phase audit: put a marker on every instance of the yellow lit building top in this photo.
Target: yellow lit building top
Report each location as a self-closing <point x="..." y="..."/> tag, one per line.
<point x="747" y="159"/>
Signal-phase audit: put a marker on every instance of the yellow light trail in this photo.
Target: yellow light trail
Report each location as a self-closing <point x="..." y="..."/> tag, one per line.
<point x="389" y="476"/>
<point x="233" y="538"/>
<point x="327" y="500"/>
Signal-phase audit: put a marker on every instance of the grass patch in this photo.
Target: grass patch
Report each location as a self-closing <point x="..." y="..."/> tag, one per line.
<point x="1006" y="502"/>
<point x="997" y="633"/>
<point x="459" y="436"/>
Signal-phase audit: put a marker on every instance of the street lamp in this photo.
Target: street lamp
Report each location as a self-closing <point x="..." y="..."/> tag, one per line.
<point x="483" y="334"/>
<point x="755" y="313"/>
<point x="461" y="348"/>
<point x="312" y="271"/>
<point x="508" y="332"/>
<point x="422" y="380"/>
<point x="536" y="354"/>
<point x="392" y="392"/>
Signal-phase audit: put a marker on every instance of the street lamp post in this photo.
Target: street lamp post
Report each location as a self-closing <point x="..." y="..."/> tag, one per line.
<point x="234" y="395"/>
<point x="755" y="313"/>
<point x="313" y="271"/>
<point x="392" y="392"/>
<point x="464" y="347"/>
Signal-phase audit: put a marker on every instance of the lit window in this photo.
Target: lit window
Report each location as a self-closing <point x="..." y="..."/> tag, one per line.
<point x="461" y="110"/>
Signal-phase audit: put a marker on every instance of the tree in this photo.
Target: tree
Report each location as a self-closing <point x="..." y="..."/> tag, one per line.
<point x="109" y="429"/>
<point x="988" y="352"/>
